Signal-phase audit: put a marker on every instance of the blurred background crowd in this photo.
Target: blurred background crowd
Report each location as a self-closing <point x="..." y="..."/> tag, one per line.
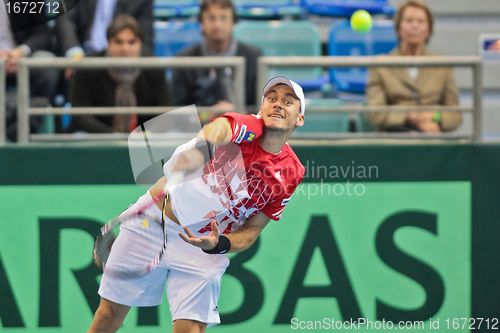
<point x="252" y="29"/>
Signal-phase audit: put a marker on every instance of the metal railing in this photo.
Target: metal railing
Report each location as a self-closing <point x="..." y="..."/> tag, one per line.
<point x="474" y="62"/>
<point x="24" y="111"/>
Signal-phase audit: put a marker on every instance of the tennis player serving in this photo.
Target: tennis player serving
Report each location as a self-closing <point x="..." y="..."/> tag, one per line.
<point x="195" y="255"/>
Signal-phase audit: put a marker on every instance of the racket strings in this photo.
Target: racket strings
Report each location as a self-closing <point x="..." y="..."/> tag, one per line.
<point x="109" y="231"/>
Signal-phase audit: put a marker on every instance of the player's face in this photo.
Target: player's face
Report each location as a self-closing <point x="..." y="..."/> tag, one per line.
<point x="281" y="109"/>
<point x="124" y="44"/>
<point x="217" y="24"/>
<point x="414" y="28"/>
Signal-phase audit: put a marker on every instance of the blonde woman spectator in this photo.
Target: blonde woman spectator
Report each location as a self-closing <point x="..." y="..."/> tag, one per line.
<point x="415" y="85"/>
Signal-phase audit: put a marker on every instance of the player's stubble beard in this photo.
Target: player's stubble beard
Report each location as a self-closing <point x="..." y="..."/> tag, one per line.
<point x="282" y="133"/>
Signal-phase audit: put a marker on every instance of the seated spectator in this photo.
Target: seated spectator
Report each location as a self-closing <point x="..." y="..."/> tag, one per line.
<point x="414" y="85"/>
<point x="25" y="36"/>
<point x="213" y="87"/>
<point x="82" y="31"/>
<point x="125" y="87"/>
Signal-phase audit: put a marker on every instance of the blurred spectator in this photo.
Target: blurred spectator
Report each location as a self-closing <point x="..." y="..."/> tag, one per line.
<point x="494" y="46"/>
<point x="213" y="87"/>
<point x="125" y="87"/>
<point x="82" y="31"/>
<point x="414" y="85"/>
<point x="30" y="37"/>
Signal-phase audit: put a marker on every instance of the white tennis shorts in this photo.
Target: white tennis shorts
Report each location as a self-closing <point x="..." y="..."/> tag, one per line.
<point x="192" y="277"/>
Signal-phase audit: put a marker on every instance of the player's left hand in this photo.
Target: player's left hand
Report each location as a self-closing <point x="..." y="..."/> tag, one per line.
<point x="205" y="242"/>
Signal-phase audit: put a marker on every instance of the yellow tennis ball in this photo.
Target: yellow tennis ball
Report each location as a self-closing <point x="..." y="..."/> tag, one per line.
<point x="361" y="21"/>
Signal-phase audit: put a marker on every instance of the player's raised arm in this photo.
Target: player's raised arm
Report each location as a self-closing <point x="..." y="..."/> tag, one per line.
<point x="233" y="127"/>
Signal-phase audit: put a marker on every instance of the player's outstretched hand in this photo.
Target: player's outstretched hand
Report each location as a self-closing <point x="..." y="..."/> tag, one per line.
<point x="205" y="242"/>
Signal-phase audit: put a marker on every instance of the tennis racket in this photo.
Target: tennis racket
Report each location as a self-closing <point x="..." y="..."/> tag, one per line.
<point x="143" y="241"/>
<point x="144" y="236"/>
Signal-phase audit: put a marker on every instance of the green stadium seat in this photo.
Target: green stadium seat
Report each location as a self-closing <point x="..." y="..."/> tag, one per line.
<point x="252" y="9"/>
<point x="285" y="38"/>
<point x="322" y="122"/>
<point x="166" y="9"/>
<point x="363" y="124"/>
<point x="48" y="124"/>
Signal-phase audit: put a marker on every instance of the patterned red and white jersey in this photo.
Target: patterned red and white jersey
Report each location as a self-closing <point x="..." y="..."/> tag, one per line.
<point x="241" y="180"/>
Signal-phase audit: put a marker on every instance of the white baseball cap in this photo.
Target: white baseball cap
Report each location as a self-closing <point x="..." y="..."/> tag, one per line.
<point x="292" y="84"/>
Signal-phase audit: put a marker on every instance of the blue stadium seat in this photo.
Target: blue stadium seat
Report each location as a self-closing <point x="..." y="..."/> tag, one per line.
<point x="166" y="9"/>
<point x="344" y="8"/>
<point x="343" y="41"/>
<point x="173" y="36"/>
<point x="286" y="38"/>
<point x="255" y="9"/>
